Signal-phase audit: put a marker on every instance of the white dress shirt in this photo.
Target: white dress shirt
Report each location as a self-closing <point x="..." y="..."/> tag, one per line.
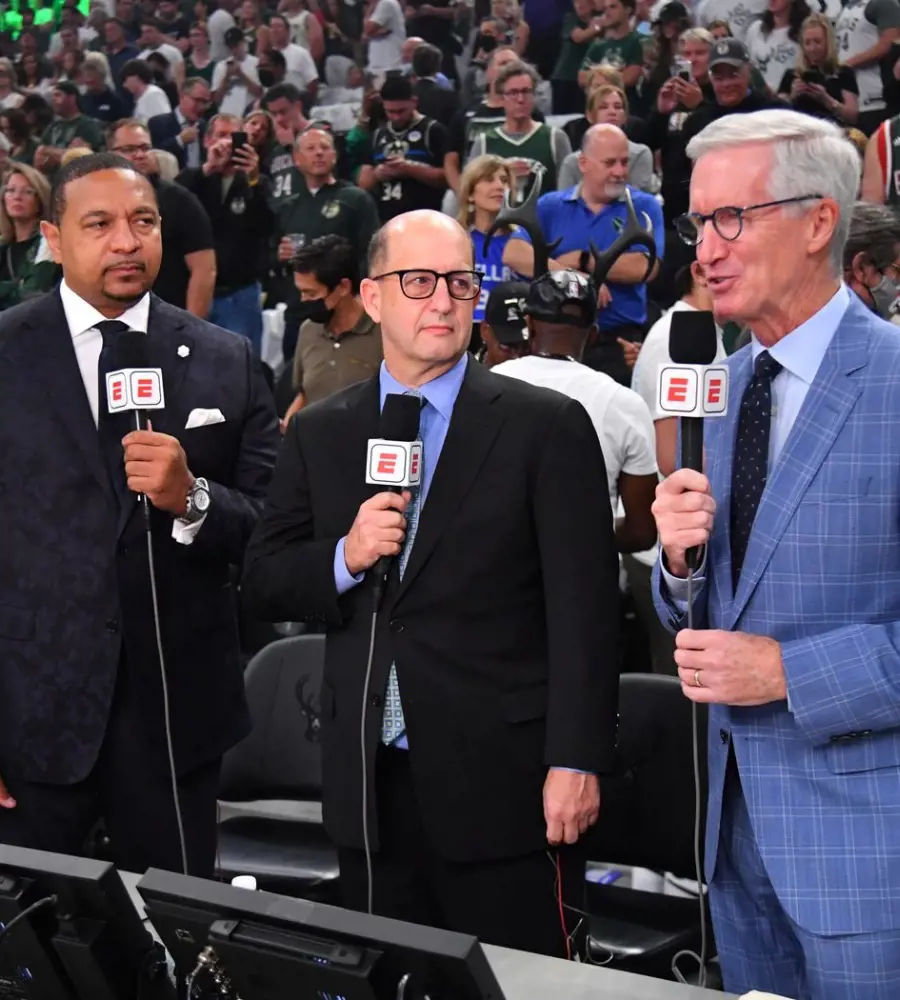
<point x="82" y="319"/>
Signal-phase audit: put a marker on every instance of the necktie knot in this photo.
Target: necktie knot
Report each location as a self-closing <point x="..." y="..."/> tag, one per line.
<point x="418" y="395"/>
<point x="110" y="329"/>
<point x="766" y="367"/>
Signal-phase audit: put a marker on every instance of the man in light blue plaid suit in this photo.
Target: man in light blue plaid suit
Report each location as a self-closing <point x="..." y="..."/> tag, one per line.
<point x="796" y="645"/>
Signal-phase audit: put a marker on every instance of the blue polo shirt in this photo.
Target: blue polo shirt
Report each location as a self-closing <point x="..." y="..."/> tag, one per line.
<point x="564" y="215"/>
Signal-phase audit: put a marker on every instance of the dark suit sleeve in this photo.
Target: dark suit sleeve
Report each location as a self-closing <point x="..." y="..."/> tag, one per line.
<point x="580" y="569"/>
<point x="288" y="573"/>
<point x="234" y="510"/>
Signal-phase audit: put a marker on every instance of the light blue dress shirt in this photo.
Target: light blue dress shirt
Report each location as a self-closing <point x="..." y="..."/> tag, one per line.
<point x="440" y="398"/>
<point x="800" y="354"/>
<point x="434" y="422"/>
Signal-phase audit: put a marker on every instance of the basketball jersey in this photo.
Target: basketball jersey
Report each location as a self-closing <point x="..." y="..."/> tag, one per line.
<point x="491" y="266"/>
<point x="887" y="139"/>
<point x="536" y="148"/>
<point x="855" y="34"/>
<point x="417" y="144"/>
<point x="284" y="175"/>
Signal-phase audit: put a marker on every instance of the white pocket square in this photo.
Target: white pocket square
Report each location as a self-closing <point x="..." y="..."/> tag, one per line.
<point x="203" y="418"/>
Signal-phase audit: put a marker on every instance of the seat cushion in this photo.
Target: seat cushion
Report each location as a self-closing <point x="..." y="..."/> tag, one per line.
<point x="276" y="851"/>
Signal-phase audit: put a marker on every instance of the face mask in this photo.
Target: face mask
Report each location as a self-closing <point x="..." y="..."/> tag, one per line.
<point x="884" y="294"/>
<point x="318" y="311"/>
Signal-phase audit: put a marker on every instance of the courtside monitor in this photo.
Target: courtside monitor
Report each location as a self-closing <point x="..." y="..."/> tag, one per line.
<point x="230" y="942"/>
<point x="69" y="931"/>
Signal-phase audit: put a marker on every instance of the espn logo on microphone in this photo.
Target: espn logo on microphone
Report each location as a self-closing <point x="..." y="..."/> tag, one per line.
<point x="692" y="391"/>
<point x="394" y="463"/>
<point x="135" y="389"/>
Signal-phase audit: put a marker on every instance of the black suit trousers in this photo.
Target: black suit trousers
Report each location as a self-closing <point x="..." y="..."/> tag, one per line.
<point x="130" y="790"/>
<point x="513" y="902"/>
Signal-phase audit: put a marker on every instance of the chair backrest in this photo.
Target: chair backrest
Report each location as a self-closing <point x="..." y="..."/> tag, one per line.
<point x="648" y="819"/>
<point x="281" y="758"/>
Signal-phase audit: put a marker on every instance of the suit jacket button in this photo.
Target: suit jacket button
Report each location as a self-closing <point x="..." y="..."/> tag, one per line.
<point x="723" y="736"/>
<point x="112" y="626"/>
<point x="375" y="701"/>
<point x="396" y="625"/>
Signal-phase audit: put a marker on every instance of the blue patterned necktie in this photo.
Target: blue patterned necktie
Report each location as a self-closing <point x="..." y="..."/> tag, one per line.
<point x="751" y="458"/>
<point x="393" y="725"/>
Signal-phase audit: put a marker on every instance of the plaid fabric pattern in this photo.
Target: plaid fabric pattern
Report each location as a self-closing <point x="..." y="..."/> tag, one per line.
<point x="821" y="575"/>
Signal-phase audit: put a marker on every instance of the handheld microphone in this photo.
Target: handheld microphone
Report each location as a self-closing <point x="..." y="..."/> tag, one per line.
<point x="394" y="459"/>
<point x="692" y="387"/>
<point x="135" y="386"/>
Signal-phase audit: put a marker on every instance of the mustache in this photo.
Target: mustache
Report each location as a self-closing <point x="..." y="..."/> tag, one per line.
<point x="139" y="264"/>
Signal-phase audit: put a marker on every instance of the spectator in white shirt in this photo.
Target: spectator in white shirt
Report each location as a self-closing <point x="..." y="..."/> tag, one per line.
<point x="693" y="293"/>
<point x="561" y="308"/>
<point x="217" y="25"/>
<point x="152" y="40"/>
<point x="300" y="70"/>
<point x="235" y="81"/>
<point x="385" y="28"/>
<point x="149" y="100"/>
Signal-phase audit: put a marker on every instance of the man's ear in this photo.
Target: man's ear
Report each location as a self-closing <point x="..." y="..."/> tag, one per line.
<point x="370" y="293"/>
<point x="51" y="235"/>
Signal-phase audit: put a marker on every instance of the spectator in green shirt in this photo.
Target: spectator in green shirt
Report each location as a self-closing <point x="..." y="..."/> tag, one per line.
<point x="24" y="271"/>
<point x="69" y="127"/>
<point x="619" y="47"/>
<point x="581" y="27"/>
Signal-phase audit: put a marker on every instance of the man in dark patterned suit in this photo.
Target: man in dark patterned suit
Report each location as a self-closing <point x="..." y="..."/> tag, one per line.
<point x="82" y="731"/>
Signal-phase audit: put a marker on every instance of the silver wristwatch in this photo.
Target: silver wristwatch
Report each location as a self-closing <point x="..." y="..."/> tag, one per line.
<point x="198" y="500"/>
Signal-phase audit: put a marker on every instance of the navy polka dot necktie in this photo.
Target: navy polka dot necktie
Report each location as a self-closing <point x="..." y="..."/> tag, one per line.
<point x="751" y="458"/>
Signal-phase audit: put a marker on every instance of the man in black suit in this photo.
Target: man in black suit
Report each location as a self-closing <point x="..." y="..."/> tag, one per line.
<point x="491" y="709"/>
<point x="82" y="710"/>
<point x="434" y="101"/>
<point x="181" y="132"/>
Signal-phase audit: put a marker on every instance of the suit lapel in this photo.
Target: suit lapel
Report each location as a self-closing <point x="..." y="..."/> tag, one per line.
<point x="828" y="403"/>
<point x="171" y="349"/>
<point x="46" y="350"/>
<point x="473" y="427"/>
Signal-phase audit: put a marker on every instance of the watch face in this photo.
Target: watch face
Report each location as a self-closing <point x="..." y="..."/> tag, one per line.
<point x="200" y="501"/>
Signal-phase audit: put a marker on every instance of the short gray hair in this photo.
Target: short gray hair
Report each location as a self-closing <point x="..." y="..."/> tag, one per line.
<point x="809" y="156"/>
<point x="874" y="231"/>
<point x="516" y="69"/>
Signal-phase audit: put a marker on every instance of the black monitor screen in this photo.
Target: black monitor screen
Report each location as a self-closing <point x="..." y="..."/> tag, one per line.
<point x="259" y="946"/>
<point x="88" y="944"/>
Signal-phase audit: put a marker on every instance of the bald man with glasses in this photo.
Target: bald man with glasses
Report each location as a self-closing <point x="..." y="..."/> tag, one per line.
<point x="491" y="707"/>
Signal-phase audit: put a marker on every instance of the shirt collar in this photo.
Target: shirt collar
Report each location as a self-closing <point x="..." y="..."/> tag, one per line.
<point x="802" y="350"/>
<point x="441" y="392"/>
<point x="82" y="316"/>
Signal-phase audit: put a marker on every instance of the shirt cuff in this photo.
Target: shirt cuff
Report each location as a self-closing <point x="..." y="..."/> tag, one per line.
<point x="184" y="533"/>
<point x="677" y="586"/>
<point x="344" y="580"/>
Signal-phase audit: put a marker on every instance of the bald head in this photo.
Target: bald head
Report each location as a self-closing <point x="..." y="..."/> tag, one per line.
<point x="599" y="140"/>
<point x="604" y="163"/>
<point x="416" y="230"/>
<point x="408" y="48"/>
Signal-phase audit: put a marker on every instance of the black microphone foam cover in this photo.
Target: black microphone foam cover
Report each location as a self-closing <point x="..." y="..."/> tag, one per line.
<point x="400" y="417"/>
<point x="692" y="338"/>
<point x="130" y="350"/>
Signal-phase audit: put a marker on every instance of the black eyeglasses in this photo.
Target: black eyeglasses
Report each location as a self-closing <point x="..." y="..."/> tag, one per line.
<point x="728" y="221"/>
<point x="421" y="283"/>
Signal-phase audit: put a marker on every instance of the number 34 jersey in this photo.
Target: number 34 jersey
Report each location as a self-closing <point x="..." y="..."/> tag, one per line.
<point x="423" y="141"/>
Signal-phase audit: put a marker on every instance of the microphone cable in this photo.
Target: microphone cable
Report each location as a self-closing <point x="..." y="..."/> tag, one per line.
<point x="173" y="775"/>
<point x="700" y="959"/>
<point x="367" y="847"/>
